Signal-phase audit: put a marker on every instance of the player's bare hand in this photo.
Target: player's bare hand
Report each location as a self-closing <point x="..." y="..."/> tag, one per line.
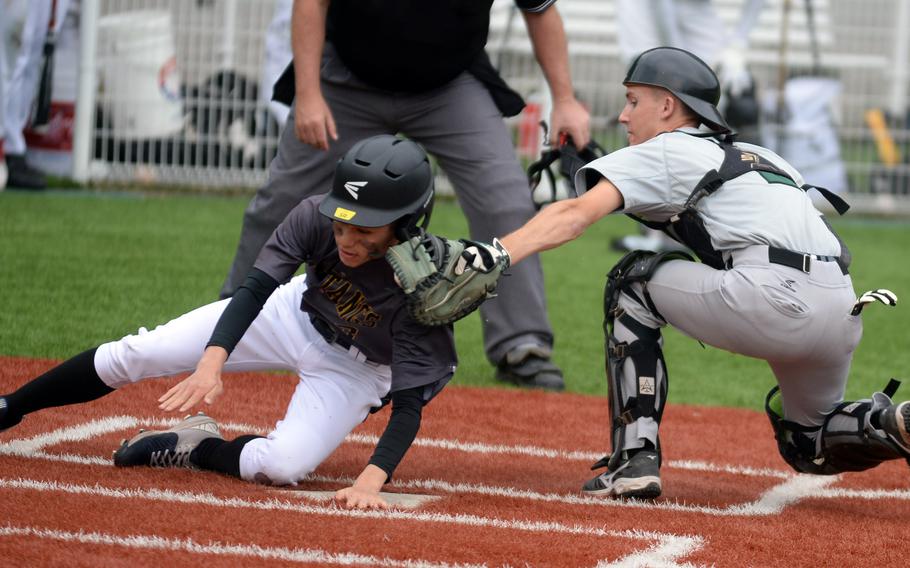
<point x="356" y="498"/>
<point x="203" y="385"/>
<point x="569" y="116"/>
<point x="313" y="121"/>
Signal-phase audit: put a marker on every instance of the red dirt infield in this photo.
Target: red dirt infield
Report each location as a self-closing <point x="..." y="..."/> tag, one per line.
<point x="505" y="467"/>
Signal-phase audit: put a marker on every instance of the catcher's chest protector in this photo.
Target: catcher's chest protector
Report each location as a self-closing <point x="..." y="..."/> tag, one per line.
<point x="688" y="228"/>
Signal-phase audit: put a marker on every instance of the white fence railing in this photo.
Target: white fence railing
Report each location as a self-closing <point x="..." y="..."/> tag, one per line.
<point x="170" y="90"/>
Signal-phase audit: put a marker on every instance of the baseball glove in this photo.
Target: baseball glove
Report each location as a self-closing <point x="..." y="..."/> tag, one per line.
<point x="444" y="279"/>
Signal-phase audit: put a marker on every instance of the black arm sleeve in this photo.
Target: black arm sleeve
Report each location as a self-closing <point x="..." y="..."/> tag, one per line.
<point x="407" y="406"/>
<point x="242" y="309"/>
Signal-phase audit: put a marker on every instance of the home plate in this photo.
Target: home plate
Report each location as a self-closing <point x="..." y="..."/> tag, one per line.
<point x="400" y="500"/>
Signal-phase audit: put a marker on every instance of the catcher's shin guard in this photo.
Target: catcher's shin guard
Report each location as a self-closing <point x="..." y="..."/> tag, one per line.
<point x="645" y="396"/>
<point x="643" y="393"/>
<point x="851" y="439"/>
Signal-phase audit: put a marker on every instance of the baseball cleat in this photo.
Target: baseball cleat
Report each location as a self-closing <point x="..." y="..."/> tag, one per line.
<point x="636" y="478"/>
<point x="895" y="420"/>
<point x="167" y="448"/>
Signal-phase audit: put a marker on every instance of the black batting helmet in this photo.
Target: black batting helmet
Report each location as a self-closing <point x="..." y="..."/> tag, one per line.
<point x="684" y="75"/>
<point x="382" y="180"/>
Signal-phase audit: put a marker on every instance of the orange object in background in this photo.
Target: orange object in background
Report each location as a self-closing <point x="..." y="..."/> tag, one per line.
<point x="884" y="142"/>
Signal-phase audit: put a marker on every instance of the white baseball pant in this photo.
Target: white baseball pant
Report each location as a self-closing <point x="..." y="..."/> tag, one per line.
<point x="336" y="391"/>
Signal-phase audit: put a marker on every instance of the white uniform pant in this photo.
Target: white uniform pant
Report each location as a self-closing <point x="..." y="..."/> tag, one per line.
<point x="798" y="322"/>
<point x="336" y="391"/>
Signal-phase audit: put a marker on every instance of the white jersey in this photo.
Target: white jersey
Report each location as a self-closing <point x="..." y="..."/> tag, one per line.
<point x="656" y="177"/>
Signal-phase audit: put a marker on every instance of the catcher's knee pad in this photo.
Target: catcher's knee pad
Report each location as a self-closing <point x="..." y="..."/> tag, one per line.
<point x="847" y="441"/>
<point x="636" y="266"/>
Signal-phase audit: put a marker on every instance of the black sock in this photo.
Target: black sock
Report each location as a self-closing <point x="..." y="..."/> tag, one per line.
<point x="70" y="382"/>
<point x="220" y="455"/>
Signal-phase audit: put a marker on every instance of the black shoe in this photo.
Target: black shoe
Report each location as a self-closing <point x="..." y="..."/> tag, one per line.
<point x="22" y="176"/>
<point x="635" y="478"/>
<point x="7" y="420"/>
<point x="895" y="420"/>
<point x="530" y="366"/>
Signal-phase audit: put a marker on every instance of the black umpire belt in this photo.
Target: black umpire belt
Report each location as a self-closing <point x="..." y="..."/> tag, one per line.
<point x="799" y="260"/>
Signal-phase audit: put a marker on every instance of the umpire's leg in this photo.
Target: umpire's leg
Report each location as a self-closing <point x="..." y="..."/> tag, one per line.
<point x="299" y="171"/>
<point x="462" y="127"/>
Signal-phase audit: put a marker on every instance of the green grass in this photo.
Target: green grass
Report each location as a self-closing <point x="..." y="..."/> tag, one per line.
<point x="80" y="268"/>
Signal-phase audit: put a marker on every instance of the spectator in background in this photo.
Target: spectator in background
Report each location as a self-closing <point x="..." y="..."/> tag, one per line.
<point x="696" y="26"/>
<point x="24" y="26"/>
<point x="367" y="67"/>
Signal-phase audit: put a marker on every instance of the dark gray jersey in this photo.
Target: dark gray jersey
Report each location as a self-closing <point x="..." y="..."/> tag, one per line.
<point x="363" y="303"/>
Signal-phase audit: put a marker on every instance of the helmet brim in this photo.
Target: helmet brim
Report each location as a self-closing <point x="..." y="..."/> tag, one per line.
<point x="358" y="215"/>
<point x="706" y="111"/>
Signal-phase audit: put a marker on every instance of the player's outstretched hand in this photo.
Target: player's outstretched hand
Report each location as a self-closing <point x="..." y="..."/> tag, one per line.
<point x="204" y="384"/>
<point x="355" y="498"/>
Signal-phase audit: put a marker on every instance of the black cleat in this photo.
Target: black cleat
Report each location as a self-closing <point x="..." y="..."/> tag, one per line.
<point x="636" y="478"/>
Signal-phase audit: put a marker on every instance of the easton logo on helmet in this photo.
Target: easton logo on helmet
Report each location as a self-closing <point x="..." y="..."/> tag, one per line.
<point x="353" y="187"/>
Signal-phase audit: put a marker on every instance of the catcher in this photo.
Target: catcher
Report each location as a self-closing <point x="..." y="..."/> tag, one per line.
<point x="773" y="282"/>
<point x="343" y="328"/>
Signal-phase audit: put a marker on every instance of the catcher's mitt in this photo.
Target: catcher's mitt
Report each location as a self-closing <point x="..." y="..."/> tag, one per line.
<point x="445" y="279"/>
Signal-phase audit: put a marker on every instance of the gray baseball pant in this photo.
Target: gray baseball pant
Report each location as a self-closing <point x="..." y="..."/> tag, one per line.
<point x="798" y="322"/>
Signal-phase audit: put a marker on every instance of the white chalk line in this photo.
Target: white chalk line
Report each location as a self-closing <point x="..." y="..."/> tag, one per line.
<point x="793" y="489"/>
<point x="32" y="446"/>
<point x="773" y="501"/>
<point x="154" y="542"/>
<point x="669" y="546"/>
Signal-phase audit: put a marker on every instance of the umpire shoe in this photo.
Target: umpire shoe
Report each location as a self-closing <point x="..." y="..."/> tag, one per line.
<point x="636" y="478"/>
<point x="895" y="420"/>
<point x="529" y="366"/>
<point x="167" y="448"/>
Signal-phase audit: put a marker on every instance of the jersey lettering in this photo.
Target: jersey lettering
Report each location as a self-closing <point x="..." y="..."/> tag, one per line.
<point x="350" y="303"/>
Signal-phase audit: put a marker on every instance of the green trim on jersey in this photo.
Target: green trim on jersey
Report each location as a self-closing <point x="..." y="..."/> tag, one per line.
<point x="772" y="177"/>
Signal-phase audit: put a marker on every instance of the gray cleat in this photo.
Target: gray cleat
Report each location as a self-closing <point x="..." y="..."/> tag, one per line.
<point x="636" y="478"/>
<point x="167" y="448"/>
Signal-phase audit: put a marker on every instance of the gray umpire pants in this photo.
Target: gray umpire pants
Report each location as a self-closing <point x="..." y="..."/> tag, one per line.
<point x="798" y="322"/>
<point x="461" y="127"/>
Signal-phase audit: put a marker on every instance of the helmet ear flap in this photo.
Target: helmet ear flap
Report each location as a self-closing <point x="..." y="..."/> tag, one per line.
<point x="414" y="224"/>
